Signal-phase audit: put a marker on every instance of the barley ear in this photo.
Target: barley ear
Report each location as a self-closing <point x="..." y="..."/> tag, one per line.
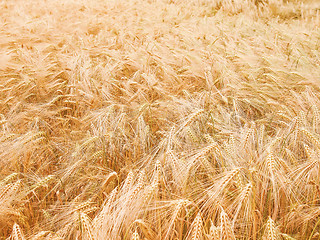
<point x="17" y="233"/>
<point x="214" y="233"/>
<point x="270" y="232"/>
<point x="135" y="235"/>
<point x="86" y="226"/>
<point x="197" y="228"/>
<point x="226" y="228"/>
<point x="287" y="237"/>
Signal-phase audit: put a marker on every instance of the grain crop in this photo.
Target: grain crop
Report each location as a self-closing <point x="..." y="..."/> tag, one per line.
<point x="159" y="119"/>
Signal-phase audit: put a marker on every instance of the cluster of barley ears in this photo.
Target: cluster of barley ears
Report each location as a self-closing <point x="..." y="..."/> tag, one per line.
<point x="159" y="119"/>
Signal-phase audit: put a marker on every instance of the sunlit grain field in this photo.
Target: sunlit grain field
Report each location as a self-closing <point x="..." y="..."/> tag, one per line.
<point x="159" y="119"/>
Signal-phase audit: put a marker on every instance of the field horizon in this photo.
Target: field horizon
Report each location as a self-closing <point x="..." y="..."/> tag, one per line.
<point x="159" y="119"/>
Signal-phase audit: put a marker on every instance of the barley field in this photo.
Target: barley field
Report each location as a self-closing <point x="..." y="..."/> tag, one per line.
<point x="159" y="119"/>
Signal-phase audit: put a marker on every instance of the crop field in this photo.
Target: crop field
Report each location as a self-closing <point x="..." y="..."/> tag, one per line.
<point x="159" y="119"/>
